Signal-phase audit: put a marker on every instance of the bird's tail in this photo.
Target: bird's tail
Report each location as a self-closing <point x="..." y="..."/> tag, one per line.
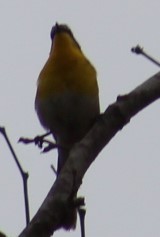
<point x="70" y="217"/>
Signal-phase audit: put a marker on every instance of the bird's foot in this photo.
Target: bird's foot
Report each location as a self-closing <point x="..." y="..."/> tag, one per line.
<point x="40" y="141"/>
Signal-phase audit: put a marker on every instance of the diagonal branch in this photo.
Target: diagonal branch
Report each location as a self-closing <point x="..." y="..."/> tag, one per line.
<point x="50" y="215"/>
<point x="140" y="50"/>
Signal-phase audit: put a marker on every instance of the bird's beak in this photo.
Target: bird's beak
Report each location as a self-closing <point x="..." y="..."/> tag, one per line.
<point x="53" y="32"/>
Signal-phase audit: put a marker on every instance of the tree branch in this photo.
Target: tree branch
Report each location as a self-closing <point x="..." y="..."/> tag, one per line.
<point x="24" y="174"/>
<point x="50" y="215"/>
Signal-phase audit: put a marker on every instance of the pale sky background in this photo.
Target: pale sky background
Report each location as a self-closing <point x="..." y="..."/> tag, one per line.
<point x="122" y="187"/>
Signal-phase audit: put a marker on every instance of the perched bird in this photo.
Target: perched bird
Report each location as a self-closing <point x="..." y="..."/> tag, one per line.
<point x="67" y="98"/>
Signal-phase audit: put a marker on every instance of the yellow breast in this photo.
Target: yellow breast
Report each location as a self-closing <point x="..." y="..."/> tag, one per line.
<point x="66" y="69"/>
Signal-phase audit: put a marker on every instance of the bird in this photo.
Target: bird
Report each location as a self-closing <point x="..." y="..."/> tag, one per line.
<point x="67" y="97"/>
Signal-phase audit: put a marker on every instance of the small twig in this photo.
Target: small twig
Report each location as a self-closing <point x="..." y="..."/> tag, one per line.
<point x="82" y="212"/>
<point x="79" y="203"/>
<point x="139" y="50"/>
<point x="54" y="170"/>
<point x="24" y="174"/>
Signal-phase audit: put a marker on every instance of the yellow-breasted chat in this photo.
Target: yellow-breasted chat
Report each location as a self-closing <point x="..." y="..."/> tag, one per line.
<point x="67" y="98"/>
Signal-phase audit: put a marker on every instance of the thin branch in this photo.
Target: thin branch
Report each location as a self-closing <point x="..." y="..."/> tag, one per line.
<point x="140" y="50"/>
<point x="82" y="213"/>
<point x="24" y="174"/>
<point x="54" y="169"/>
<point x="50" y="215"/>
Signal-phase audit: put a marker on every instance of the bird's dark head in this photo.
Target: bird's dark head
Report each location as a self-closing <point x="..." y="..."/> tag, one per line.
<point x="59" y="29"/>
